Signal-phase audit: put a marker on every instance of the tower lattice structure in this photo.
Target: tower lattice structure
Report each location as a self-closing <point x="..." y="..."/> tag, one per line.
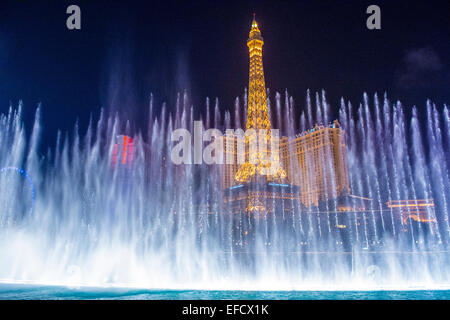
<point x="258" y="162"/>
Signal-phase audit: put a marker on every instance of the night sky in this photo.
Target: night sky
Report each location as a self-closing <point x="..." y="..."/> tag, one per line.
<point x="127" y="49"/>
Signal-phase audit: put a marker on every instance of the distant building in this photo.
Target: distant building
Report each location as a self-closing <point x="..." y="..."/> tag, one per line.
<point x="124" y="152"/>
<point x="316" y="161"/>
<point x="420" y="210"/>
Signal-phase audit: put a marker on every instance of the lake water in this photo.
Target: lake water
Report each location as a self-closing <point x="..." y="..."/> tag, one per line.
<point x="25" y="292"/>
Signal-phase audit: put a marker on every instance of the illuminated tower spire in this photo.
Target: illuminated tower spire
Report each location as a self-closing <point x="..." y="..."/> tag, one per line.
<point x="258" y="116"/>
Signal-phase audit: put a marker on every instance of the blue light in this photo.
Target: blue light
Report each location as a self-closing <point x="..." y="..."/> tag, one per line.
<point x="235" y="187"/>
<point x="278" y="184"/>
<point x="27" y="177"/>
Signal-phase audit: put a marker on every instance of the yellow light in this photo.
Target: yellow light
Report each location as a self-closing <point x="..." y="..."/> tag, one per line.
<point x="257" y="114"/>
<point x="411" y="205"/>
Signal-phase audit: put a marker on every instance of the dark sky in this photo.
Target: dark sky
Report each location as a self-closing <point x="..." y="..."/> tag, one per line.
<point x="127" y="49"/>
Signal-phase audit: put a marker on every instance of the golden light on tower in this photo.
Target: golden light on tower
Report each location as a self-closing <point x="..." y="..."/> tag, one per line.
<point x="258" y="116"/>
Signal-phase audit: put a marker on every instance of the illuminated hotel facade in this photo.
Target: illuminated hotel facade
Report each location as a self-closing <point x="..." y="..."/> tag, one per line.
<point x="312" y="165"/>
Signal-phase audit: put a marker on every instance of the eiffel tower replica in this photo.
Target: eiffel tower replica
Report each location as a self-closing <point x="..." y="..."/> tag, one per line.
<point x="262" y="180"/>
